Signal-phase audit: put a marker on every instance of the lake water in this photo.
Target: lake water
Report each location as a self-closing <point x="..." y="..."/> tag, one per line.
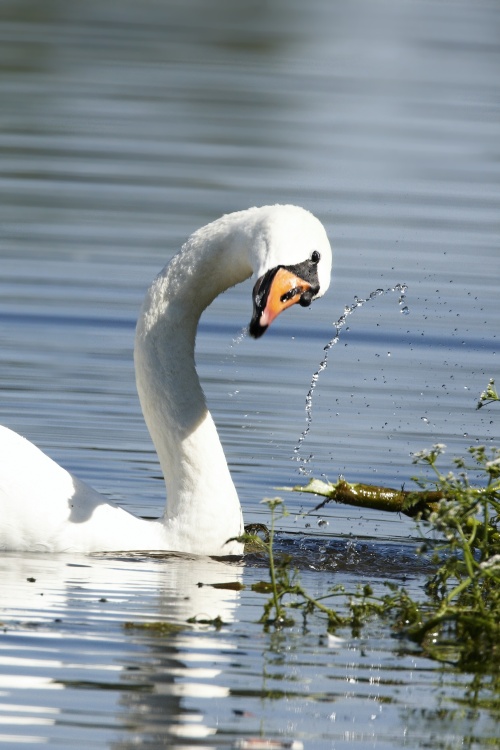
<point x="124" y="127"/>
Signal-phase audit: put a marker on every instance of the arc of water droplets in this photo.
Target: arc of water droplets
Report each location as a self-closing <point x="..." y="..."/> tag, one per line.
<point x="239" y="337"/>
<point x="338" y="325"/>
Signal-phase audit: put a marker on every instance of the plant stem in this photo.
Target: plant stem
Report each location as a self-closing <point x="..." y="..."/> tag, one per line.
<point x="272" y="569"/>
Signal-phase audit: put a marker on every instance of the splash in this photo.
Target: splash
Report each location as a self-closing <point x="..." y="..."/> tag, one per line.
<point x="239" y="337"/>
<point x="232" y="354"/>
<point x="338" y="325"/>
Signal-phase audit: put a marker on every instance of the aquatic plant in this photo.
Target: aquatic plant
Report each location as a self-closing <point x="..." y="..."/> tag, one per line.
<point x="287" y="594"/>
<point x="489" y="395"/>
<point x="457" y="619"/>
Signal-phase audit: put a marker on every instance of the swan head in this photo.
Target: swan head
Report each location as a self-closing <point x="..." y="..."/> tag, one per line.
<point x="293" y="261"/>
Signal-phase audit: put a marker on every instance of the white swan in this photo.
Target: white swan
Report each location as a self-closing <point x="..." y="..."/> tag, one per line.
<point x="45" y="508"/>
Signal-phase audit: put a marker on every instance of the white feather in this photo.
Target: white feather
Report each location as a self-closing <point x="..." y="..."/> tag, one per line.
<point x="45" y="508"/>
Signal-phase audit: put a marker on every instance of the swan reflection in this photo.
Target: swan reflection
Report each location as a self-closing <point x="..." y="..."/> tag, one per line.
<point x="91" y="626"/>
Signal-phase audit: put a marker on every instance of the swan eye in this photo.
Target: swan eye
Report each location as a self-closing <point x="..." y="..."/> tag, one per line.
<point x="315" y="256"/>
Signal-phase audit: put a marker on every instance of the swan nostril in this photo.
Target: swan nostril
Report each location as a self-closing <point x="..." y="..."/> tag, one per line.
<point x="307" y="297"/>
<point x="290" y="294"/>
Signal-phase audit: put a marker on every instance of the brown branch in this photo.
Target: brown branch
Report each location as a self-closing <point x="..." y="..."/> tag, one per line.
<point x="372" y="496"/>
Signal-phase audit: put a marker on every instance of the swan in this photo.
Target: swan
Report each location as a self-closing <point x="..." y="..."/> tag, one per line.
<point x="45" y="508"/>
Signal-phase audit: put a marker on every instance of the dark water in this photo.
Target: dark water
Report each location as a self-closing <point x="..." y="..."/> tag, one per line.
<point x="125" y="126"/>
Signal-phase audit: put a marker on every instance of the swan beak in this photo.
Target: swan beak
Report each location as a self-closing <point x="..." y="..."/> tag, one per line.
<point x="276" y="290"/>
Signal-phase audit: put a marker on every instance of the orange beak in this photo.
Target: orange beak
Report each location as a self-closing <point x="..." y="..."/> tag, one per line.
<point x="274" y="292"/>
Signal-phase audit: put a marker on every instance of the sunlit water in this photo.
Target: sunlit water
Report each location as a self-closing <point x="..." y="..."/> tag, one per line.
<point x="337" y="326"/>
<point x="125" y="126"/>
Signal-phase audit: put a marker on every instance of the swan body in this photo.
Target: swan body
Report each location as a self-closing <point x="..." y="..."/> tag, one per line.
<point x="45" y="508"/>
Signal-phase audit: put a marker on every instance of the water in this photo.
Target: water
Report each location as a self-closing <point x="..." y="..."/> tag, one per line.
<point x="338" y="325"/>
<point x="125" y="126"/>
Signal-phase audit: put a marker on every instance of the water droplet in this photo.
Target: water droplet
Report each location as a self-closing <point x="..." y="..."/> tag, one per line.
<point x="337" y="326"/>
<point x="239" y="338"/>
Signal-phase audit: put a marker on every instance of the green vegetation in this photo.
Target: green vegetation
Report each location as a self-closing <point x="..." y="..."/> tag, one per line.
<point x="457" y="619"/>
<point x="489" y="395"/>
<point x="161" y="628"/>
<point x="286" y="593"/>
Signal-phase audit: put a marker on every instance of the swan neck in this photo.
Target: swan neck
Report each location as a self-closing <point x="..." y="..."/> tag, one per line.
<point x="172" y="400"/>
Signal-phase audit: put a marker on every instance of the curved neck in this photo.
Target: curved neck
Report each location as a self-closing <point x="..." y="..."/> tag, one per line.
<point x="172" y="400"/>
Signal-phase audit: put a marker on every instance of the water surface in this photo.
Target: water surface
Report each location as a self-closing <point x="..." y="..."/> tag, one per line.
<point x="124" y="127"/>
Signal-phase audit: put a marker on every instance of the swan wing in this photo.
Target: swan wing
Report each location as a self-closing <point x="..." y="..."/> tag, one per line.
<point x="45" y="508"/>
